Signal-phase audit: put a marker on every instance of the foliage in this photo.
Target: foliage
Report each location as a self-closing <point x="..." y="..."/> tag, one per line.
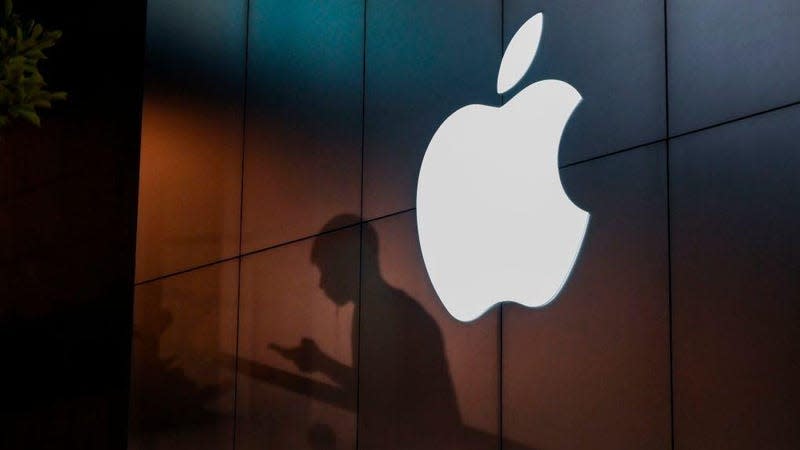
<point x="22" y="87"/>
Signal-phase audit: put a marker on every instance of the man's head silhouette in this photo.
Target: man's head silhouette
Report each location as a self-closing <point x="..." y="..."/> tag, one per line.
<point x="412" y="402"/>
<point x="334" y="255"/>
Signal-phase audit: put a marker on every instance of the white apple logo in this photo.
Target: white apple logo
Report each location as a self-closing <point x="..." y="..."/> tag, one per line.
<point x="494" y="221"/>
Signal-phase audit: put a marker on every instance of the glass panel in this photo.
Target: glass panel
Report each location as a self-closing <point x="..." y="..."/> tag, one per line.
<point x="425" y="60"/>
<point x="304" y="107"/>
<point x="731" y="58"/>
<point x="427" y="381"/>
<point x="591" y="369"/>
<point x="298" y="341"/>
<point x="613" y="54"/>
<point x="736" y="294"/>
<point x="190" y="170"/>
<point x="183" y="373"/>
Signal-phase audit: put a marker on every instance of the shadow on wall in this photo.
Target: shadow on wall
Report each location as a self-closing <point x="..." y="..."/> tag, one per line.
<point x="168" y="399"/>
<point x="182" y="389"/>
<point x="302" y="396"/>
<point x="407" y="399"/>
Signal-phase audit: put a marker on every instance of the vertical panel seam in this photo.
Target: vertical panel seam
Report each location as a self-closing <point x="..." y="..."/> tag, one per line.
<point x="241" y="223"/>
<point x="669" y="231"/>
<point x="359" y="310"/>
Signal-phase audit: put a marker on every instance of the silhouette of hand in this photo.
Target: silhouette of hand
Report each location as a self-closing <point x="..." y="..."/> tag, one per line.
<point x="303" y="356"/>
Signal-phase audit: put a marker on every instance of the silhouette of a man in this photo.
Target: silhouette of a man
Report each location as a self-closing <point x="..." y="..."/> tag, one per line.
<point x="406" y="396"/>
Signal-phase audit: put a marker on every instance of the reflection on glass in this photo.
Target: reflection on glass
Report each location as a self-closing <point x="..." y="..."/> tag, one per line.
<point x="591" y="371"/>
<point x="191" y="149"/>
<point x="296" y="350"/>
<point x="425" y="381"/>
<point x="421" y="369"/>
<point x="304" y="112"/>
<point x="182" y="388"/>
<point x="734" y="204"/>
<point x="408" y="399"/>
<point x="424" y="60"/>
<point x="189" y="185"/>
<point x="747" y="62"/>
<point x="624" y="100"/>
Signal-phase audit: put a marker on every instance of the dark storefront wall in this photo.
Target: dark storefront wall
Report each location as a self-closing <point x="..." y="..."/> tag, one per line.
<point x="281" y="144"/>
<point x="67" y="235"/>
<point x="736" y="293"/>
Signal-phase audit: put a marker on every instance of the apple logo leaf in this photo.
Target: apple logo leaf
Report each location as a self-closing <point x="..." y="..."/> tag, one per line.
<point x="519" y="54"/>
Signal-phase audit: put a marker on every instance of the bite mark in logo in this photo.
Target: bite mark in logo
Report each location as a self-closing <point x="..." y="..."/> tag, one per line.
<point x="494" y="221"/>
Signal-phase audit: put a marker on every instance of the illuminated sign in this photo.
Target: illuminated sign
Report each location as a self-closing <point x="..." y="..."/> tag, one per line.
<point x="494" y="221"/>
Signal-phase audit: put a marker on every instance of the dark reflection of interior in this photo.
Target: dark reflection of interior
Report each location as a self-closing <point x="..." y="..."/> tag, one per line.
<point x="406" y="398"/>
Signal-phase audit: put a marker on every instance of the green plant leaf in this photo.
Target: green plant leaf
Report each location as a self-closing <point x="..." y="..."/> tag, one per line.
<point x="30" y="116"/>
<point x="23" y="89"/>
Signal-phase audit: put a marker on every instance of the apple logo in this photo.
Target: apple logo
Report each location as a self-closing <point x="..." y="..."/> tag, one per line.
<point x="494" y="222"/>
